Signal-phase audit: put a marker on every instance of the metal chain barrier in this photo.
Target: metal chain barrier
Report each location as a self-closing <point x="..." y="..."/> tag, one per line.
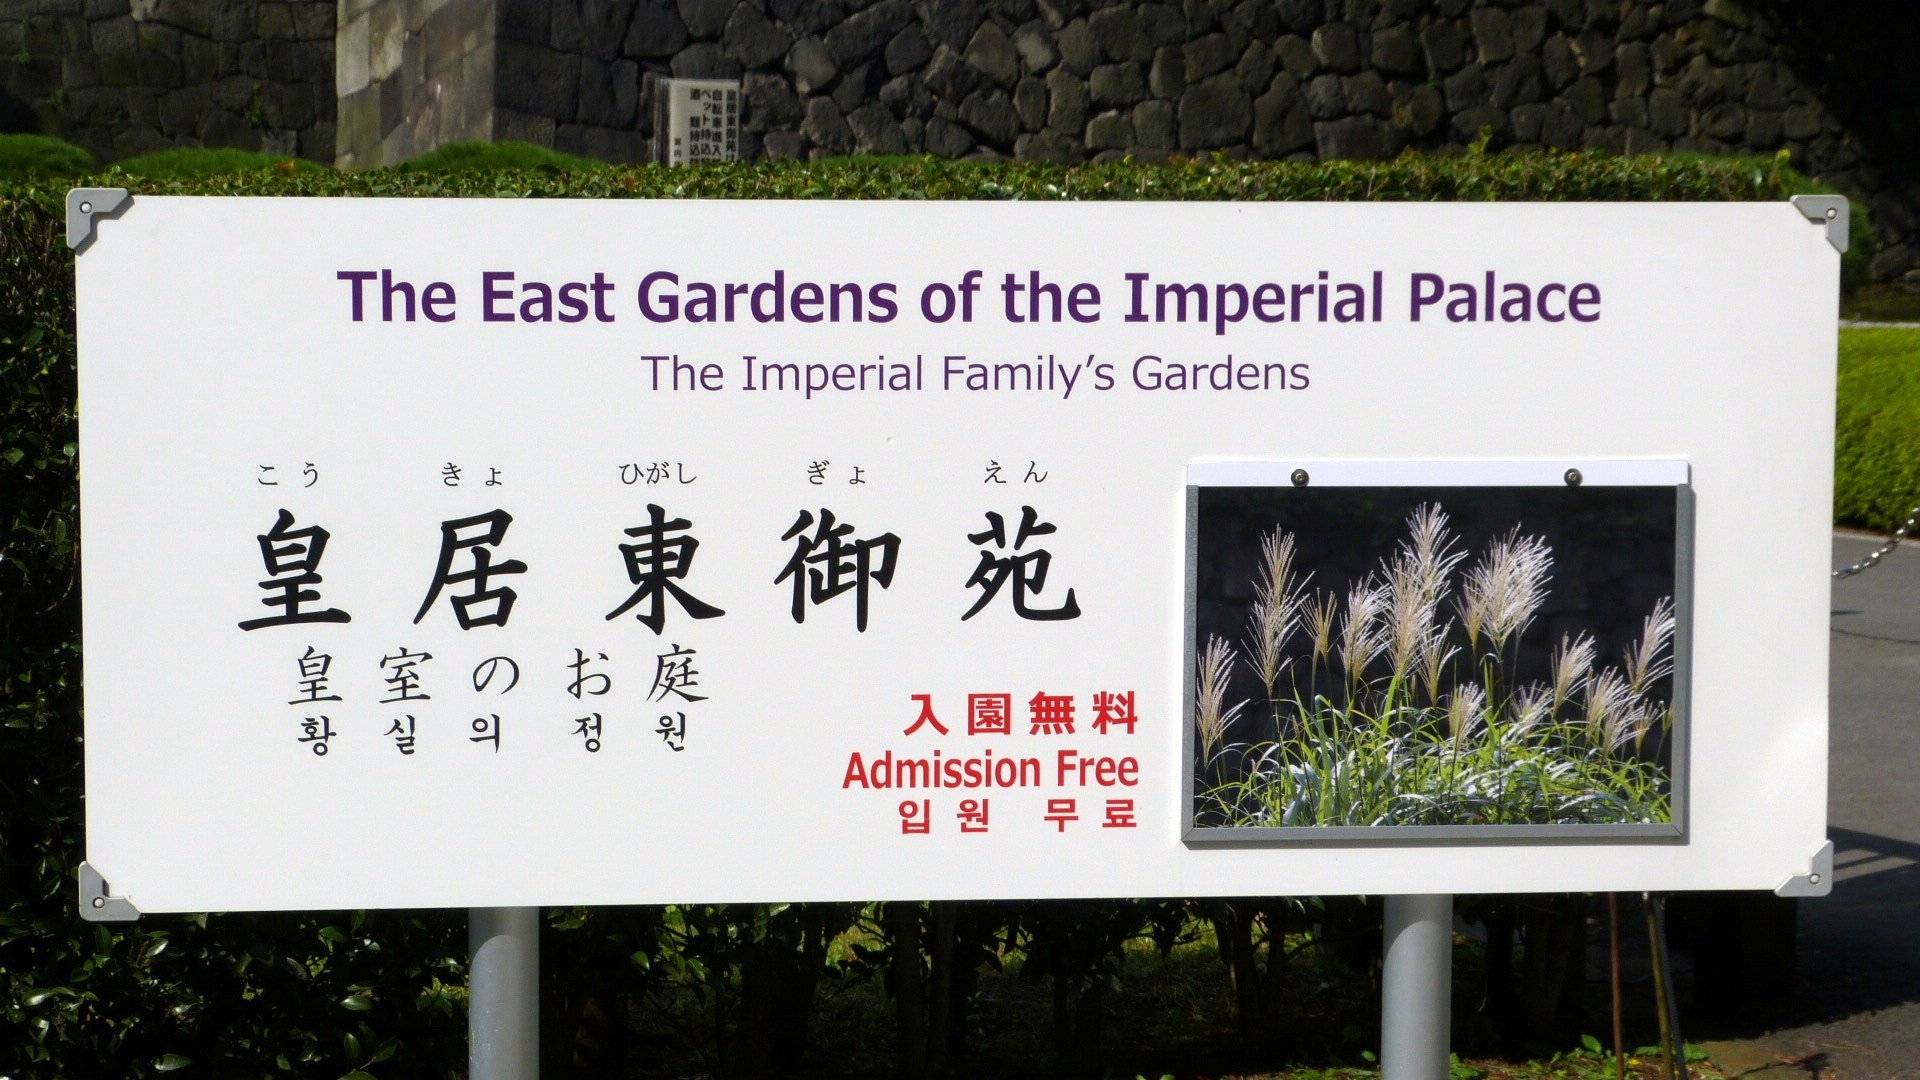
<point x="1899" y="534"/>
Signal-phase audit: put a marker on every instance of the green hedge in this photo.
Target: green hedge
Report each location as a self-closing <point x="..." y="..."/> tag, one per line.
<point x="326" y="994"/>
<point x="1876" y="457"/>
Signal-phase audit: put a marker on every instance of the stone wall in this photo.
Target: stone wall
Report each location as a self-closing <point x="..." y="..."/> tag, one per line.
<point x="124" y="77"/>
<point x="413" y="75"/>
<point x="1072" y="80"/>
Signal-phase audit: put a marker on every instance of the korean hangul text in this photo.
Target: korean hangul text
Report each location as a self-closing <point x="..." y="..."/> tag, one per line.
<point x="588" y="728"/>
<point x="488" y="729"/>
<point x="973" y="815"/>
<point x="402" y="732"/>
<point x="318" y="731"/>
<point x="916" y="817"/>
<point x="1061" y="811"/>
<point x="673" y="730"/>
<point x="1119" y="814"/>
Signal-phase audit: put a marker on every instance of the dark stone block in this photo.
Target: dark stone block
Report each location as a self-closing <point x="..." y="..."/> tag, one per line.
<point x="591" y="27"/>
<point x="1633" y="70"/>
<point x="610" y="93"/>
<point x="806" y="17"/>
<point x="1168" y="76"/>
<point x="656" y="31"/>
<point x="908" y="51"/>
<point x="1030" y="103"/>
<point x="989" y="115"/>
<point x="1067" y="103"/>
<point x="1519" y="82"/>
<point x="1034" y="42"/>
<point x="704" y="18"/>
<point x="313" y="20"/>
<point x="1217" y="112"/>
<point x="1470" y="123"/>
<point x="950" y="22"/>
<point x="906" y="97"/>
<point x="1255" y="69"/>
<point x="1444" y="46"/>
<point x="858" y="86"/>
<point x="875" y="131"/>
<point x="1208" y="56"/>
<point x="1667" y="111"/>
<point x="1164" y="25"/>
<point x="1557" y="63"/>
<point x="1049" y="146"/>
<point x="1802" y="121"/>
<point x="180" y="110"/>
<point x="1528" y="26"/>
<point x="1466" y="88"/>
<point x="754" y="39"/>
<point x="273" y="21"/>
<point x="864" y="35"/>
<point x="536" y="81"/>
<point x="825" y="127"/>
<point x="1337" y="46"/>
<point x="1156" y="125"/>
<point x="951" y="77"/>
<point x="1110" y="131"/>
<point x="705" y="60"/>
<point x="1367" y="93"/>
<point x="1668" y="54"/>
<point x="1726" y="121"/>
<point x="1396" y="51"/>
<point x="785" y="144"/>
<point x="992" y="54"/>
<point x="1115" y="85"/>
<point x="1765" y="129"/>
<point x="1325" y="97"/>
<point x="1296" y="56"/>
<point x="1587" y="100"/>
<point x="947" y="139"/>
<point x="1638" y="23"/>
<point x="1281" y="124"/>
<point x="1119" y="34"/>
<point x="1302" y="16"/>
<point x="1769" y="86"/>
<point x="1355" y="137"/>
<point x="1078" y="52"/>
<point x="1423" y="111"/>
<point x="1629" y="112"/>
<point x="1563" y="127"/>
<point x="533" y="22"/>
<point x="199" y="60"/>
<point x="812" y="65"/>
<point x="1594" y="50"/>
<point x="1258" y="19"/>
<point x="1492" y="34"/>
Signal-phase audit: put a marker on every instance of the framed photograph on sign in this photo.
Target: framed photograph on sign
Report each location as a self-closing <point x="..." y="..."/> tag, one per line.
<point x="1436" y="650"/>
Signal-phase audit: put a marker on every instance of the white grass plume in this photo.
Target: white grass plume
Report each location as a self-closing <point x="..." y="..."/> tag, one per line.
<point x="1505" y="588"/>
<point x="1210" y="712"/>
<point x="1649" y="660"/>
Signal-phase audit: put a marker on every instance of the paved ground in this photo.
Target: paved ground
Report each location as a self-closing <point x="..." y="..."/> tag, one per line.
<point x="1854" y="1013"/>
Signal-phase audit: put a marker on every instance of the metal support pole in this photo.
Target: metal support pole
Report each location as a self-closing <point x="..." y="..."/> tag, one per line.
<point x="503" y="993"/>
<point x="1416" y="988"/>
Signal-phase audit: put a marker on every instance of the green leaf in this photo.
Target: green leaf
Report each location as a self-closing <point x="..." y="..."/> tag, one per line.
<point x="350" y="1043"/>
<point x="357" y="1003"/>
<point x="170" y="1062"/>
<point x="1592" y="1044"/>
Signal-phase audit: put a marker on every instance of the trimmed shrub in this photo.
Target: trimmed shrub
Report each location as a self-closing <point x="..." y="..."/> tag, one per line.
<point x="182" y="162"/>
<point x="475" y="156"/>
<point x="1876" y="453"/>
<point x="41" y="157"/>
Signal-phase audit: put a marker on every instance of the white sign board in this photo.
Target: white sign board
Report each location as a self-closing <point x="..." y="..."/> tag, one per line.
<point x="503" y="553"/>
